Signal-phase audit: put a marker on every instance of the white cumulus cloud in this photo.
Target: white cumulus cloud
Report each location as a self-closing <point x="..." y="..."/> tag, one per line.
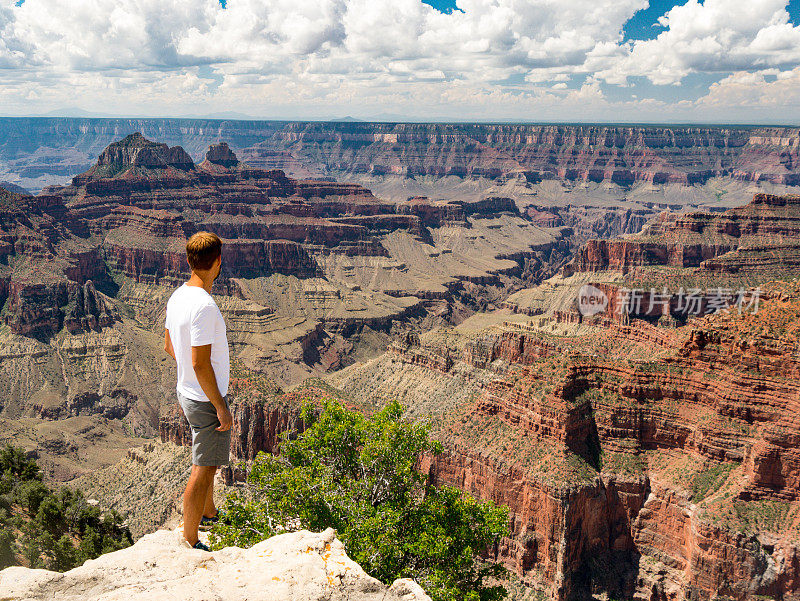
<point x="525" y="59"/>
<point x="715" y="36"/>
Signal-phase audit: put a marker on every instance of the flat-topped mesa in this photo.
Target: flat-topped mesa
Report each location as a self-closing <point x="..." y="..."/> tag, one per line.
<point x="432" y="213"/>
<point x="774" y="200"/>
<point x="436" y="213"/>
<point x="491" y="206"/>
<point x="135" y="155"/>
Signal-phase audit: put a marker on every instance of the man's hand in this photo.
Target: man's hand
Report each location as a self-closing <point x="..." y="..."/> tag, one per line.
<point x="225" y="419"/>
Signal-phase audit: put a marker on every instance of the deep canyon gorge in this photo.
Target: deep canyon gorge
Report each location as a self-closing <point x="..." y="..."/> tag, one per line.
<point x="643" y="453"/>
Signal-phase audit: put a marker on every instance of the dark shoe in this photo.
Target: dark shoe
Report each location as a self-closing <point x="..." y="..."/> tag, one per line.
<point x="199" y="545"/>
<point x="207" y="523"/>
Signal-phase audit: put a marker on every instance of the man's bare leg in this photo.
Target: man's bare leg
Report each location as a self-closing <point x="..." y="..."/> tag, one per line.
<point x="194" y="499"/>
<point x="210" y="509"/>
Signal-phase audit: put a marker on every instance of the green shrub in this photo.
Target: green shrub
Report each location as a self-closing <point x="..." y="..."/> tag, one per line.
<point x="6" y="549"/>
<point x="30" y="495"/>
<point x="88" y="516"/>
<point x="63" y="556"/>
<point x="91" y="544"/>
<point x="50" y="516"/>
<point x="5" y="501"/>
<point x="33" y="545"/>
<point x="6" y="483"/>
<point x="60" y="530"/>
<point x="15" y="464"/>
<point x="708" y="481"/>
<point x="358" y="475"/>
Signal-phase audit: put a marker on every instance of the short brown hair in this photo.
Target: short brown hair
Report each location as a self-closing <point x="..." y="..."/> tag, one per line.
<point x="202" y="249"/>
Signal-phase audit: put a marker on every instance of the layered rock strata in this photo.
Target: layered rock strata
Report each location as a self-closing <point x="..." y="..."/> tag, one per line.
<point x="769" y="226"/>
<point x="38" y="151"/>
<point x="622" y="155"/>
<point x="636" y="461"/>
<point x="136" y="198"/>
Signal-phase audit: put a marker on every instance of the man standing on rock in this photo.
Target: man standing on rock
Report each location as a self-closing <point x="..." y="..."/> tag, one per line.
<point x="195" y="336"/>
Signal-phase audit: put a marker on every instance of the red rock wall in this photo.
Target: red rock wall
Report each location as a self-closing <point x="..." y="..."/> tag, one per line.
<point x="715" y="396"/>
<point x="684" y="557"/>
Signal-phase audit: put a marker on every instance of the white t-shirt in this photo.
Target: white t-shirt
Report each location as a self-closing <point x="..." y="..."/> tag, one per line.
<point x="193" y="319"/>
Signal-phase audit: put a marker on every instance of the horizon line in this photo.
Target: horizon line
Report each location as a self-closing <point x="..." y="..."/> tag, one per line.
<point x="346" y="120"/>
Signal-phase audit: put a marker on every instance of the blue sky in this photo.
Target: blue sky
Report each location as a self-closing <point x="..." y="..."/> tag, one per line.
<point x="444" y="6"/>
<point x="501" y="60"/>
<point x="643" y="25"/>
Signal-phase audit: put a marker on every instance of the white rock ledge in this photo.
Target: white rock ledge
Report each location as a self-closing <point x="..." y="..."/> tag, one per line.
<point x="303" y="565"/>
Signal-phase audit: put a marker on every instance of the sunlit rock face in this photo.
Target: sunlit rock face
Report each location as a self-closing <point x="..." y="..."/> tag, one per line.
<point x="761" y="236"/>
<point x="621" y="155"/>
<point x="161" y="566"/>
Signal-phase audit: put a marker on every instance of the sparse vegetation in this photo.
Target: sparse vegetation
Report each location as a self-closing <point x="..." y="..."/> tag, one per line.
<point x="624" y="463"/>
<point x="752" y="517"/>
<point x="708" y="481"/>
<point x="41" y="527"/>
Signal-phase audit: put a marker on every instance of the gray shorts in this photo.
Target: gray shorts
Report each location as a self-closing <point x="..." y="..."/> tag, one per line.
<point x="209" y="447"/>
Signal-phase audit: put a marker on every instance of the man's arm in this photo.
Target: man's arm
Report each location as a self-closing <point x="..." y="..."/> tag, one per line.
<point x="168" y="345"/>
<point x="201" y="362"/>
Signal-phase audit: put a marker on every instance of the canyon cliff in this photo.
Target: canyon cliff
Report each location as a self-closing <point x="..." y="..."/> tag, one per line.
<point x="639" y="461"/>
<point x="621" y="155"/>
<point x="760" y="236"/>
<point x="643" y="453"/>
<point x="639" y="458"/>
